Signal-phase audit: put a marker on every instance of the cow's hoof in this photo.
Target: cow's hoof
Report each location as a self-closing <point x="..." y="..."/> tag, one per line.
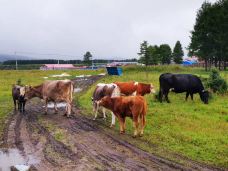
<point x="111" y="126"/>
<point x="94" y="119"/>
<point x="134" y="136"/>
<point x="140" y="135"/>
<point x="104" y="118"/>
<point x="121" y="132"/>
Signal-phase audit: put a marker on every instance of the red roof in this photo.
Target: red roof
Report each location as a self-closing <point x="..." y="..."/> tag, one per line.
<point x="59" y="65"/>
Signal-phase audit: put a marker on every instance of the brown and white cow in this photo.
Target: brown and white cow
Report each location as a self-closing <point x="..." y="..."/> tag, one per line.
<point x="101" y="91"/>
<point x="53" y="91"/>
<point x="135" y="88"/>
<point x="134" y="107"/>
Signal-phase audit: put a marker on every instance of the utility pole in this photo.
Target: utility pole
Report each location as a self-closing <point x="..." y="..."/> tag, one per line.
<point x="15" y="54"/>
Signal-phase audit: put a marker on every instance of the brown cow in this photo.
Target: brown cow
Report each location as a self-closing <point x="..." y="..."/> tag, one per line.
<point x="53" y="91"/>
<point x="135" y="88"/>
<point x="131" y="106"/>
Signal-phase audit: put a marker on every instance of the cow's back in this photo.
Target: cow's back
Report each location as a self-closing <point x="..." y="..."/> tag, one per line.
<point x="127" y="88"/>
<point x="128" y="104"/>
<point x="57" y="90"/>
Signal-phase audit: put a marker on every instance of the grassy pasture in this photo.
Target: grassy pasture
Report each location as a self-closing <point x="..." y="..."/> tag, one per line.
<point x="190" y="129"/>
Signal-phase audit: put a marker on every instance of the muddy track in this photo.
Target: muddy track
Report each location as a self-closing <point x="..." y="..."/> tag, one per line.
<point x="83" y="144"/>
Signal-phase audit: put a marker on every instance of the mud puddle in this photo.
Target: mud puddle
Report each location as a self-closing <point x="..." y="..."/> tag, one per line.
<point x="59" y="105"/>
<point x="12" y="157"/>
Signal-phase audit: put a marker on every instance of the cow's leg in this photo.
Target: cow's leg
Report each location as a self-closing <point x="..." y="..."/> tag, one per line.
<point x="124" y="124"/>
<point x="69" y="109"/>
<point x="160" y="95"/>
<point x="23" y="106"/>
<point x="143" y="123"/>
<point x="95" y="109"/>
<point x="103" y="111"/>
<point x="113" y="120"/>
<point x="166" y="97"/>
<point x="135" y="125"/>
<point x="46" y="107"/>
<point x="55" y="107"/>
<point x="121" y="124"/>
<point x="186" y="97"/>
<point x="15" y="106"/>
<point x="191" y="96"/>
<point x="19" y="105"/>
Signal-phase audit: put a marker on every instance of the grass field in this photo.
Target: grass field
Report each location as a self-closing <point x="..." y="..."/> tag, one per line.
<point x="191" y="129"/>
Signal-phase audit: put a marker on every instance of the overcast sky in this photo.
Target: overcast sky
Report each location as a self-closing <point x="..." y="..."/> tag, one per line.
<point x="107" y="28"/>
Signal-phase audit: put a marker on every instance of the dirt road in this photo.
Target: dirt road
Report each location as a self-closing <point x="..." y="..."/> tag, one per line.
<point x="54" y="142"/>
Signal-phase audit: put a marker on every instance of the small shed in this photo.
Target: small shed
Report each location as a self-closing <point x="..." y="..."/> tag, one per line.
<point x="114" y="71"/>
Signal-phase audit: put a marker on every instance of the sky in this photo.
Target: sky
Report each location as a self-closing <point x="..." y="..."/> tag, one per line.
<point x="109" y="29"/>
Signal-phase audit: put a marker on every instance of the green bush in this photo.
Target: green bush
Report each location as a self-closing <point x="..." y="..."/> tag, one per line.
<point x="216" y="82"/>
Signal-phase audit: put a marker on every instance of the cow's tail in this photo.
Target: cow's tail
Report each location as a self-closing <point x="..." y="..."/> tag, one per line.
<point x="71" y="91"/>
<point x="143" y="114"/>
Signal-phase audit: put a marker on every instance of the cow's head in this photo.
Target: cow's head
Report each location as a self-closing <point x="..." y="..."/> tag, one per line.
<point x="152" y="89"/>
<point x="22" y="93"/>
<point x="204" y="96"/>
<point x="31" y="92"/>
<point x="105" y="102"/>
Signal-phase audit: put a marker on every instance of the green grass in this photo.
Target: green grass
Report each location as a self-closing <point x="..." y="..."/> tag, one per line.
<point x="191" y="129"/>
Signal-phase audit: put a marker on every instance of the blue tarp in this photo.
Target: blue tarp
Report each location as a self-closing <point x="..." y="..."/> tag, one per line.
<point x="114" y="71"/>
<point x="186" y="63"/>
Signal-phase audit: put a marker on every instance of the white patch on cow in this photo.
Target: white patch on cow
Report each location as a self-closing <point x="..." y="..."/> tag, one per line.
<point x="136" y="83"/>
<point x="134" y="93"/>
<point x="152" y="90"/>
<point x="172" y="89"/>
<point x="22" y="91"/>
<point x="101" y="84"/>
<point x="116" y="92"/>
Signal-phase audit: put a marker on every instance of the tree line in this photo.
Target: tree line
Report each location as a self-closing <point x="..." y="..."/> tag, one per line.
<point x="209" y="38"/>
<point x="163" y="54"/>
<point x="54" y="61"/>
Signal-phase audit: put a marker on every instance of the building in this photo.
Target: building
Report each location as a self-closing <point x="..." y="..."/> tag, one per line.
<point x="122" y="63"/>
<point x="57" y="67"/>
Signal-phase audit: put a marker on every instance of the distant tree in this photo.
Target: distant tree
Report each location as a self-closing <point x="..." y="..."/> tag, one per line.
<point x="154" y="56"/>
<point x="165" y="53"/>
<point x="144" y="55"/>
<point x="87" y="58"/>
<point x="178" y="53"/>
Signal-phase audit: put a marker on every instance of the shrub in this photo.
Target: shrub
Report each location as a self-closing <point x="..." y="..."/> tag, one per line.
<point x="216" y="82"/>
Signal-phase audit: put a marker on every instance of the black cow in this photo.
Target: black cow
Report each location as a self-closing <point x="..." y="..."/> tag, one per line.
<point x="180" y="83"/>
<point x="18" y="94"/>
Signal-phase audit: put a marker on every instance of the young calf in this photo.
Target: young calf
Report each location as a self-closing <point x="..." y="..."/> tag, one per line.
<point x="18" y="94"/>
<point x="134" y="107"/>
<point x="100" y="91"/>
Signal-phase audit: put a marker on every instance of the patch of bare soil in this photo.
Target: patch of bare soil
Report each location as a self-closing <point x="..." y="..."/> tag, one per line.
<point x="83" y="144"/>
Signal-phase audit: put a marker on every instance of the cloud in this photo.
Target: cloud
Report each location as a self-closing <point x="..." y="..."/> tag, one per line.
<point x="107" y="28"/>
